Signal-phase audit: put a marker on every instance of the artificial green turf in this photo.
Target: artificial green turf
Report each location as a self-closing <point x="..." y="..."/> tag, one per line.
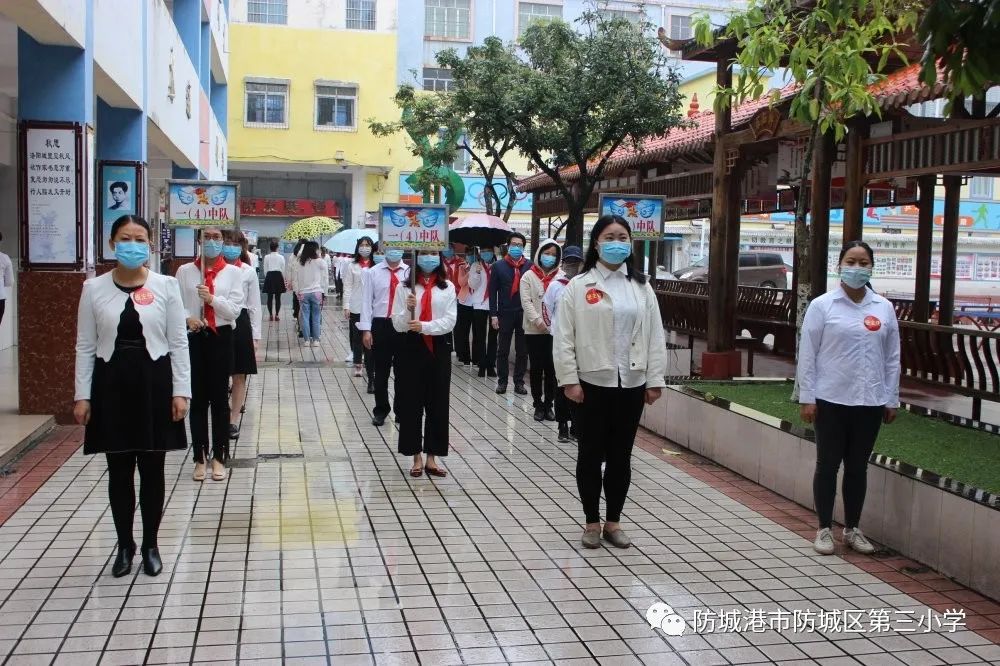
<point x="966" y="455"/>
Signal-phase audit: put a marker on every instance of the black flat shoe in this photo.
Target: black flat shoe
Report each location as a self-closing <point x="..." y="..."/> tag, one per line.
<point x="371" y="388"/>
<point x="539" y="415"/>
<point x="378" y="420"/>
<point x="123" y="563"/>
<point x="520" y="390"/>
<point x="550" y="415"/>
<point x="501" y="389"/>
<point x="234" y="431"/>
<point x="151" y="563"/>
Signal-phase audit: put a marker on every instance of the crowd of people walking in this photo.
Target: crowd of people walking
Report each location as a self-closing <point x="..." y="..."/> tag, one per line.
<point x="585" y="328"/>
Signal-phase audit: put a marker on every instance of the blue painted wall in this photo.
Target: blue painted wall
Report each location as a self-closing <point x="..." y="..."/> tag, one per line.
<point x="187" y="20"/>
<point x="53" y="83"/>
<point x="121" y="133"/>
<point x="205" y="67"/>
<point x="220" y="103"/>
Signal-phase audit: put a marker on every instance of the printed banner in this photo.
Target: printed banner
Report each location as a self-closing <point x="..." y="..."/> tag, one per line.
<point x="202" y="203"/>
<point x="51" y="161"/>
<point x="413" y="226"/>
<point x="119" y="194"/>
<point x="268" y="207"/>
<point x="644" y="214"/>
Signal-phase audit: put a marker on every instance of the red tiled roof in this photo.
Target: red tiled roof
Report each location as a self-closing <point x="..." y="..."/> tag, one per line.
<point x="899" y="89"/>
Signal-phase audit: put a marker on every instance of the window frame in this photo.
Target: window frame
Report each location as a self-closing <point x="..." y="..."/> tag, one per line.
<point x="347" y="19"/>
<point x="268" y="4"/>
<point x="423" y="79"/>
<point x="322" y="83"/>
<point x="443" y="38"/>
<point x="517" y="16"/>
<point x="256" y="80"/>
<point x="670" y="30"/>
<point x="989" y="190"/>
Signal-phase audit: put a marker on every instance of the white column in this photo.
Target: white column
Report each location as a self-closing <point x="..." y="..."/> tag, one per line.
<point x="358" y="195"/>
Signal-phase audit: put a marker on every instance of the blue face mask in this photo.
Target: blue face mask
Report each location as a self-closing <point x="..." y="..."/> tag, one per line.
<point x="547" y="261"/>
<point x="231" y="252"/>
<point x="448" y="254"/>
<point x="515" y="252"/>
<point x="855" y="277"/>
<point x="486" y="256"/>
<point x="614" y="252"/>
<point x="379" y="258"/>
<point x="393" y="256"/>
<point x="470" y="259"/>
<point x="365" y="251"/>
<point x="428" y="262"/>
<point x="211" y="248"/>
<point x="131" y="254"/>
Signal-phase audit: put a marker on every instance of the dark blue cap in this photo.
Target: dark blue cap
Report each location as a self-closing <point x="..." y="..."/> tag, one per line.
<point x="572" y="252"/>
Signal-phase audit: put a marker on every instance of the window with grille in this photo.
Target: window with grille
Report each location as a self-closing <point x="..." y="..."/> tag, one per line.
<point x="981" y="187"/>
<point x="336" y="107"/>
<point x="267" y="104"/>
<point x="631" y="16"/>
<point x="529" y="13"/>
<point x="680" y="28"/>
<point x="361" y="14"/>
<point x="268" y="11"/>
<point x="448" y="19"/>
<point x="437" y="78"/>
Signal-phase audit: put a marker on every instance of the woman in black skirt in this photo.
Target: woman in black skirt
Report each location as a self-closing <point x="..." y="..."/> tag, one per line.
<point x="133" y="384"/>
<point x="363" y="251"/>
<point x="246" y="335"/>
<point x="274" y="281"/>
<point x="424" y="381"/>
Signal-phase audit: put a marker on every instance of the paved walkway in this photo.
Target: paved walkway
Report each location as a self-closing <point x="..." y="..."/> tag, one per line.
<point x="319" y="548"/>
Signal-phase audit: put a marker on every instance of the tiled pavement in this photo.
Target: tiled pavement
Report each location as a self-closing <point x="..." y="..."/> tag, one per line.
<point x="319" y="548"/>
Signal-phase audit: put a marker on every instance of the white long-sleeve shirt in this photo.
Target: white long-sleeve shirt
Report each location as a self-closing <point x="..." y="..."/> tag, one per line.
<point x="444" y="310"/>
<point x="274" y="262"/>
<point x="550" y="302"/>
<point x="227" y="294"/>
<point x="849" y="352"/>
<point x="251" y="298"/>
<point x="479" y="279"/>
<point x="6" y="276"/>
<point x="312" y="278"/>
<point x="375" y="291"/>
<point x="352" y="286"/>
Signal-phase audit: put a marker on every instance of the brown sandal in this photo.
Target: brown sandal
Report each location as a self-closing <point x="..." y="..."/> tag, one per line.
<point x="436" y="471"/>
<point x="416" y="471"/>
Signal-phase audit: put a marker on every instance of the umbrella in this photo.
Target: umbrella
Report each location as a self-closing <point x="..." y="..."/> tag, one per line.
<point x="312" y="227"/>
<point x="481" y="230"/>
<point x="344" y="242"/>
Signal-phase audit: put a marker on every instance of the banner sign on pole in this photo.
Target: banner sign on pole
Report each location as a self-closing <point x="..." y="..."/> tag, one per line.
<point x="644" y="213"/>
<point x="203" y="203"/>
<point x="413" y="226"/>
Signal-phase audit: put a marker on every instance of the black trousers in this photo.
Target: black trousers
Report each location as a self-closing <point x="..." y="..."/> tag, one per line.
<point x="386" y="346"/>
<point x="843" y="435"/>
<point x="542" y="370"/>
<point x="423" y="387"/>
<point x="273" y="303"/>
<point x="566" y="410"/>
<point x="361" y="355"/>
<point x="121" y="492"/>
<point x="609" y="419"/>
<point x="484" y="340"/>
<point x="211" y="366"/>
<point x="511" y="326"/>
<point x="463" y="326"/>
<point x="295" y="306"/>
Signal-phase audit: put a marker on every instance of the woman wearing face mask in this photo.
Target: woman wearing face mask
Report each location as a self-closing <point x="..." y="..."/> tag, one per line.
<point x="459" y="276"/>
<point x="571" y="261"/>
<point x="424" y="364"/>
<point x="352" y="305"/>
<point x="312" y="280"/>
<point x="133" y="384"/>
<point x="536" y="331"/>
<point x="274" y="281"/>
<point x="848" y="377"/>
<point x="610" y="358"/>
<point x="291" y="270"/>
<point x="246" y="333"/>
<point x="484" y="336"/>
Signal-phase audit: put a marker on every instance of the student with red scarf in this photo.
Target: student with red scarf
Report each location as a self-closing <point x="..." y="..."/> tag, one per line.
<point x="506" y="314"/>
<point x="426" y="318"/>
<point x="536" y="331"/>
<point x="212" y="308"/>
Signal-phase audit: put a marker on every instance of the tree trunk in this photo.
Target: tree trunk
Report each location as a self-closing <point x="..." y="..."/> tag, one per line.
<point x="574" y="224"/>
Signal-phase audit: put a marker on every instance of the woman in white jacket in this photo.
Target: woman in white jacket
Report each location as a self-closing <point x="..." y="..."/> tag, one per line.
<point x="610" y="357"/>
<point x="133" y="384"/>
<point x="537" y="337"/>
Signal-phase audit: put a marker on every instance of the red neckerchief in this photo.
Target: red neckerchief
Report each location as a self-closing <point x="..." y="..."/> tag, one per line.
<point x="453" y="270"/>
<point x="427" y="282"/>
<point x="393" y="283"/>
<point x="210" y="273"/>
<point x="489" y="269"/>
<point x="365" y="263"/>
<point x="516" y="283"/>
<point x="546" y="279"/>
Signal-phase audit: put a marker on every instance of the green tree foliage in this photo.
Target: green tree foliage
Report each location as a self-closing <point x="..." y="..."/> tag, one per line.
<point x="567" y="96"/>
<point x="961" y="36"/>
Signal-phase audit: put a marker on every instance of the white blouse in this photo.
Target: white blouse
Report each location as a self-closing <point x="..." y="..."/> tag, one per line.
<point x="251" y="298"/>
<point x="313" y="278"/>
<point x="227" y="293"/>
<point x="626" y="311"/>
<point x="274" y="262"/>
<point x="444" y="310"/>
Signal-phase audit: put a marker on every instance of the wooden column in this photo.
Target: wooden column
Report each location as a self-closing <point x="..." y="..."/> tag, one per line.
<point x="949" y="249"/>
<point x="819" y="212"/>
<point x="925" y="239"/>
<point x="854" y="186"/>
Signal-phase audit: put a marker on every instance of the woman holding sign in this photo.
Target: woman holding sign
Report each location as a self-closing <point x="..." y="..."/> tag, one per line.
<point x="133" y="384"/>
<point x="427" y="317"/>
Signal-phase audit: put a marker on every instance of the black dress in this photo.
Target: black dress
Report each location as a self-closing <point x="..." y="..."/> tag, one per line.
<point x="131" y="396"/>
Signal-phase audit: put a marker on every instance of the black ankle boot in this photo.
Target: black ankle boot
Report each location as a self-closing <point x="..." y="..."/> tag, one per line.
<point x="123" y="563"/>
<point x="151" y="563"/>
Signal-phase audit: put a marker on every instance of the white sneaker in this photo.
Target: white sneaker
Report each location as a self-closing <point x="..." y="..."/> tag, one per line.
<point x="856" y="540"/>
<point x="824" y="542"/>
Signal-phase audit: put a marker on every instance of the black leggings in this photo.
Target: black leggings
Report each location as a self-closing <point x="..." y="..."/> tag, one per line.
<point x="843" y="434"/>
<point x="609" y="419"/>
<point x="358" y="350"/>
<point x="121" y="492"/>
<point x="211" y="367"/>
<point x="273" y="304"/>
<point x="542" y="370"/>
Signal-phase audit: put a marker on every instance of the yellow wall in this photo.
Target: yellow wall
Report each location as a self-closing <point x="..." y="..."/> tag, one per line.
<point x="302" y="56"/>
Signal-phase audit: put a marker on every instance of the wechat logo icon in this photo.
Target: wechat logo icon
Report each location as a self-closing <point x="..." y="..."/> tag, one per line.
<point x="662" y="616"/>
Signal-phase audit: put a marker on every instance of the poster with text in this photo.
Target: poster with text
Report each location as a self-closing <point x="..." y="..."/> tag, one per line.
<point x="119" y="194"/>
<point x="644" y="214"/>
<point x="202" y="203"/>
<point x="52" y="196"/>
<point x="413" y="226"/>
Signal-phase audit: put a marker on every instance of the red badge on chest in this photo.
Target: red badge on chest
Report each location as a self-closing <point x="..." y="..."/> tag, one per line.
<point x="872" y="323"/>
<point x="593" y="296"/>
<point x="142" y="296"/>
